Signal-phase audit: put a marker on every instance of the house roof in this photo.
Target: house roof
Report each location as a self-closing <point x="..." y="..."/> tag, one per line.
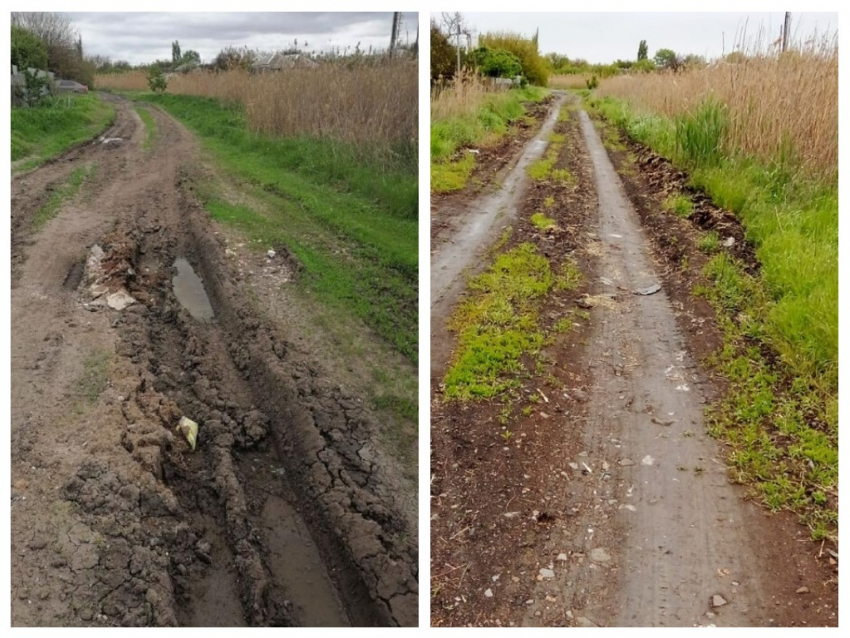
<point x="279" y="60"/>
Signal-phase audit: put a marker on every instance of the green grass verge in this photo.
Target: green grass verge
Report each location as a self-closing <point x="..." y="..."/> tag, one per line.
<point x="781" y="414"/>
<point x="150" y="127"/>
<point x="498" y="323"/>
<point x="489" y="123"/>
<point x="65" y="191"/>
<point x="359" y="254"/>
<point x="386" y="178"/>
<point x="41" y="133"/>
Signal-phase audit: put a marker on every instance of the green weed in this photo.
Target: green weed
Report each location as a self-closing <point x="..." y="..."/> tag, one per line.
<point x="680" y="205"/>
<point x="65" y="191"/>
<point x="541" y="222"/>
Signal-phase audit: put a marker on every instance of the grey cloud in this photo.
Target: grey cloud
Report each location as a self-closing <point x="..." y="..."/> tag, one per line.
<point x="143" y="37"/>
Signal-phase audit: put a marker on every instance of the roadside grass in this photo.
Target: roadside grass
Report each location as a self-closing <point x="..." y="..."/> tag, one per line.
<point x="780" y="416"/>
<point x="356" y="241"/>
<point x="392" y="186"/>
<point x="41" y="133"/>
<point x="150" y="127"/>
<point x="470" y="116"/>
<point x="62" y="193"/>
<point x="499" y="323"/>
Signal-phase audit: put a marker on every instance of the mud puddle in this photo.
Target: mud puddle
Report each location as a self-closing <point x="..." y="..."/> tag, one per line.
<point x="190" y="291"/>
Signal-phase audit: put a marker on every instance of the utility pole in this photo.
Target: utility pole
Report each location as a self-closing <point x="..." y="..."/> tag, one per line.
<point x="394" y="36"/>
<point x="458" y="49"/>
<point x="785" y="29"/>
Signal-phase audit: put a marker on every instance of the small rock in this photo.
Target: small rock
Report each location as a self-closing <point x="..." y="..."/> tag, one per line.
<point x="647" y="460"/>
<point x="119" y="300"/>
<point x="717" y="600"/>
<point x="562" y="557"/>
<point x="735" y="583"/>
<point x="583" y="621"/>
<point x="574" y="466"/>
<point x="270" y="254"/>
<point x="631" y="508"/>
<point x="625" y="462"/>
<point x="488" y="593"/>
<point x="546" y="573"/>
<point x="510" y="514"/>
<point x="729" y="242"/>
<point x="803" y="590"/>
<point x="600" y="555"/>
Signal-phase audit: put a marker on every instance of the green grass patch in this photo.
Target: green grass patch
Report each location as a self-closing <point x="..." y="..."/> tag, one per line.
<point x="491" y="122"/>
<point x="541" y="222"/>
<point x="348" y="223"/>
<point x="498" y="324"/>
<point x="543" y="169"/>
<point x="150" y="127"/>
<point x="452" y="176"/>
<point x="41" y="133"/>
<point x="95" y="376"/>
<point x="709" y="243"/>
<point x="680" y="205"/>
<point x="63" y="192"/>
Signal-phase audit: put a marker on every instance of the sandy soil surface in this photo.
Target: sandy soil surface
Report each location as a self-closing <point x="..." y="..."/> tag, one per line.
<point x="287" y="513"/>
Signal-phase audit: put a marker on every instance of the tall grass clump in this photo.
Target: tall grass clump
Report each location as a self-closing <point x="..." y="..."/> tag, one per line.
<point x="776" y="103"/>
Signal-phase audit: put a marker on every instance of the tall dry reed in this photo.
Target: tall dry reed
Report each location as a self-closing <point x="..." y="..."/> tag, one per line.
<point x="775" y="102"/>
<point x="460" y="97"/>
<point x="360" y="104"/>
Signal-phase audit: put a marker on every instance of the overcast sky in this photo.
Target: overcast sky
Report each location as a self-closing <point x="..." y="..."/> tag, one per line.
<point x="144" y="37"/>
<point x="604" y="37"/>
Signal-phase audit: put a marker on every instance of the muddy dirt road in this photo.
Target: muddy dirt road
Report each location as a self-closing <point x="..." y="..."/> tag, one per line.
<point x="608" y="504"/>
<point x="287" y="513"/>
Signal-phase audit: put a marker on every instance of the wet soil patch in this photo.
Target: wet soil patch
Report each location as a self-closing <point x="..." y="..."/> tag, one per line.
<point x="499" y="473"/>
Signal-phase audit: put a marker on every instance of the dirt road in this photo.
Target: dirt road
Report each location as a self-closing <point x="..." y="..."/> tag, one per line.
<point x="287" y="512"/>
<point x="609" y="504"/>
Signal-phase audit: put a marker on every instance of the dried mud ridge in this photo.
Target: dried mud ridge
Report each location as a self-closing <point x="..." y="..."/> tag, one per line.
<point x="168" y="528"/>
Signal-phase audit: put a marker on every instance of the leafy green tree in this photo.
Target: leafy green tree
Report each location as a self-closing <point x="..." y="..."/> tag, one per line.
<point x="643" y="66"/>
<point x="643" y="51"/>
<point x="667" y="59"/>
<point x="534" y="66"/>
<point x="156" y="80"/>
<point x="28" y="50"/>
<point x="191" y="56"/>
<point x="443" y="54"/>
<point x="496" y="63"/>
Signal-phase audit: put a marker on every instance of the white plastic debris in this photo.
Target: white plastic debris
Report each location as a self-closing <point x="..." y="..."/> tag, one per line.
<point x="189" y="429"/>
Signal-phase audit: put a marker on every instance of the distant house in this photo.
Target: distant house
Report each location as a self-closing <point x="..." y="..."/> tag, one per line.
<point x="283" y="61"/>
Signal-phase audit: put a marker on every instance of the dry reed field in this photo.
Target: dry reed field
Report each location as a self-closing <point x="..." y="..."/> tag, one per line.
<point x="374" y="104"/>
<point x="775" y="103"/>
<point x="577" y="81"/>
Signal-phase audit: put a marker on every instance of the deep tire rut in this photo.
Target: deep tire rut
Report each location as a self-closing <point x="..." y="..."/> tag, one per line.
<point x="286" y="514"/>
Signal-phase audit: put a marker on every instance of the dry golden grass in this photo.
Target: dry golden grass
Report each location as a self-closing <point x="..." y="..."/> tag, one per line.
<point x="454" y="99"/>
<point x="575" y="81"/>
<point x="375" y="104"/>
<point x="774" y="102"/>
